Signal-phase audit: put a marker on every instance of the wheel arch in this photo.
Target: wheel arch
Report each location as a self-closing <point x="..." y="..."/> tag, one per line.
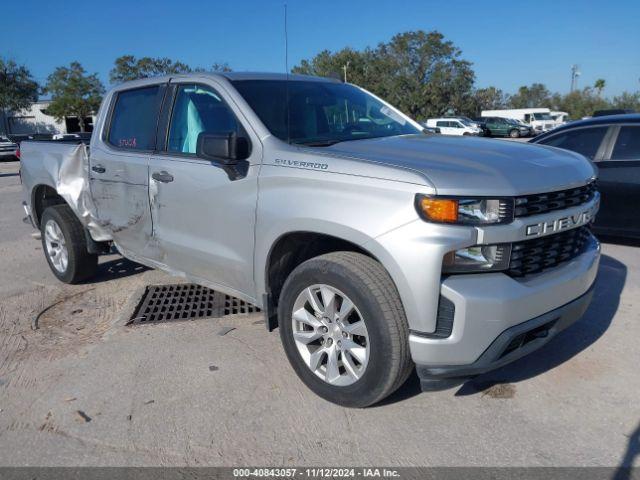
<point x="292" y="248"/>
<point x="43" y="196"/>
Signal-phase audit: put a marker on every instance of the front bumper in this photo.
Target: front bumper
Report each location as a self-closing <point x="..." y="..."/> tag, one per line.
<point x="512" y="344"/>
<point x="493" y="309"/>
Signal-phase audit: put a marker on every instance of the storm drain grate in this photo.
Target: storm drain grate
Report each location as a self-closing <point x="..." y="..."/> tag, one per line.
<point x="235" y="306"/>
<point x="186" y="301"/>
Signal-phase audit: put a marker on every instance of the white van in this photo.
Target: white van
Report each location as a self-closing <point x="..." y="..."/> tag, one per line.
<point x="560" y="118"/>
<point x="453" y="126"/>
<point x="538" y="118"/>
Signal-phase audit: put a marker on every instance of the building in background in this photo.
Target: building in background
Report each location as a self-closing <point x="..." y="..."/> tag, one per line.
<point x="35" y="120"/>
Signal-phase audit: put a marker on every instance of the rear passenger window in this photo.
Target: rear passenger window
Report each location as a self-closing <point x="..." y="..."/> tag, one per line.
<point x="442" y="124"/>
<point x="584" y="140"/>
<point x="134" y="119"/>
<point x="627" y="145"/>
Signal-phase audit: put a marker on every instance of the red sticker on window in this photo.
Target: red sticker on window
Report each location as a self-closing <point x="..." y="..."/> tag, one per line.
<point x="127" y="142"/>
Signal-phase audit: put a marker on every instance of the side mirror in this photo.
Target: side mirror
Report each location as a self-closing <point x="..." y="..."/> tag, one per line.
<point x="226" y="148"/>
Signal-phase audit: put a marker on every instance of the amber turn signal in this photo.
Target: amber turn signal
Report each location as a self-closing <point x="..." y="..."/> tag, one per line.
<point x="444" y="210"/>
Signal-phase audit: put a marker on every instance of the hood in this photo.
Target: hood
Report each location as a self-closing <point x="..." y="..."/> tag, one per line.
<point x="474" y="166"/>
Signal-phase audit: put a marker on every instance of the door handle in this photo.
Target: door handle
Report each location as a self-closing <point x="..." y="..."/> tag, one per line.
<point x="98" y="169"/>
<point x="164" y="177"/>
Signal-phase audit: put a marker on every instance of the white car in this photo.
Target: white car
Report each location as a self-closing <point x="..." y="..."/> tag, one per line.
<point x="453" y="126"/>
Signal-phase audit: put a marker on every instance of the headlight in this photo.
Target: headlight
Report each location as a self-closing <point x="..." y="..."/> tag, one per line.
<point x="465" y="211"/>
<point x="479" y="258"/>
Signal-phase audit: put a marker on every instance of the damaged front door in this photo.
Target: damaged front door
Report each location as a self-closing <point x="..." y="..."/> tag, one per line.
<point x="203" y="216"/>
<point x="119" y="169"/>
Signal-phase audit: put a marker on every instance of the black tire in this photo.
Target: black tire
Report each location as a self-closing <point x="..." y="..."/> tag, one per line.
<point x="81" y="264"/>
<point x="371" y="289"/>
<point x="515" y="133"/>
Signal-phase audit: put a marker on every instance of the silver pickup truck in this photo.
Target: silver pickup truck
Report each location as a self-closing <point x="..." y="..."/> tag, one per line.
<point x="373" y="246"/>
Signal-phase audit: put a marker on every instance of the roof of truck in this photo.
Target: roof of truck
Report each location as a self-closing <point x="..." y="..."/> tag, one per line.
<point x="230" y="76"/>
<point x="273" y="76"/>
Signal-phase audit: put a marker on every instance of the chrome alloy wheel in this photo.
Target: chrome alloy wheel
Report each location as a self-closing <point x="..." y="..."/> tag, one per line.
<point x="56" y="246"/>
<point x="330" y="335"/>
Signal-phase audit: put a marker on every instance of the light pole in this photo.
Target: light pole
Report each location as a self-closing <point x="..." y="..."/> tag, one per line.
<point x="574" y="77"/>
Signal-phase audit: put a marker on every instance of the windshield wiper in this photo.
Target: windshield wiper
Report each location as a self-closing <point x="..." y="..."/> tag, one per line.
<point x="328" y="143"/>
<point x="319" y="143"/>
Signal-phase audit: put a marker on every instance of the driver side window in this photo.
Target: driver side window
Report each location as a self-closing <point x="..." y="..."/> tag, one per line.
<point x="198" y="109"/>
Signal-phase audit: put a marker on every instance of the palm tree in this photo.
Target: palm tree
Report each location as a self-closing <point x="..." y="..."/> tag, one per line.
<point x="599" y="85"/>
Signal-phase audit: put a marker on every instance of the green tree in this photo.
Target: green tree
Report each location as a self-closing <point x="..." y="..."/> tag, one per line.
<point x="490" y="98"/>
<point x="419" y="72"/>
<point x="599" y="85"/>
<point x="535" y="95"/>
<point x="580" y="103"/>
<point x="73" y="93"/>
<point x="215" y="67"/>
<point x="18" y="89"/>
<point x="128" y="67"/>
<point x="333" y="65"/>
<point x="220" y="67"/>
<point x="627" y="100"/>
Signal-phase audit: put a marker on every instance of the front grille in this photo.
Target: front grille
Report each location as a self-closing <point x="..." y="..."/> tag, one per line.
<point x="534" y="256"/>
<point x="547" y="202"/>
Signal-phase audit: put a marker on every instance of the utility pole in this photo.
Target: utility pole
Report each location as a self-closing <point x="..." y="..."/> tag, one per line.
<point x="574" y="77"/>
<point x="344" y="68"/>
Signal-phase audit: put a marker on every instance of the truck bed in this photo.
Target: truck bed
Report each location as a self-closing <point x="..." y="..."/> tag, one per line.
<point x="62" y="165"/>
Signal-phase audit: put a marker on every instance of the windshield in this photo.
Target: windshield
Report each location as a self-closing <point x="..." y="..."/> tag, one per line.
<point x="321" y="113"/>
<point x="542" y="116"/>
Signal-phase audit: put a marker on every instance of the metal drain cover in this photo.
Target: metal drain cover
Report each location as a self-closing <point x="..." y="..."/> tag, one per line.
<point x="186" y="301"/>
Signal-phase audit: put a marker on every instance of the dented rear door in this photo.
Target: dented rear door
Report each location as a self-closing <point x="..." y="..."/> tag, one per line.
<point x="119" y="168"/>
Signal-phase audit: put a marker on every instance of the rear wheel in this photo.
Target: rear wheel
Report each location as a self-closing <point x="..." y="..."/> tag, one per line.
<point x="65" y="245"/>
<point x="344" y="330"/>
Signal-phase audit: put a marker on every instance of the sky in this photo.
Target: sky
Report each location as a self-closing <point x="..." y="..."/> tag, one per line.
<point x="510" y="43"/>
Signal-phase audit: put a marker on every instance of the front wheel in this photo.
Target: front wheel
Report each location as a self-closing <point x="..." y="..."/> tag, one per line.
<point x="514" y="133"/>
<point x="65" y="245"/>
<point x="344" y="330"/>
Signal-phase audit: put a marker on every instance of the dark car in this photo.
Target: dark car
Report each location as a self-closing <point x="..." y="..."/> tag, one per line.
<point x="613" y="144"/>
<point x="479" y="122"/>
<point x="7" y="148"/>
<point x="611" y="111"/>
<point x="428" y="129"/>
<point x="505" y="127"/>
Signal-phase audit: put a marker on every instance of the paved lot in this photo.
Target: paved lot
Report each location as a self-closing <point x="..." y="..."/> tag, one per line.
<point x="152" y="398"/>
